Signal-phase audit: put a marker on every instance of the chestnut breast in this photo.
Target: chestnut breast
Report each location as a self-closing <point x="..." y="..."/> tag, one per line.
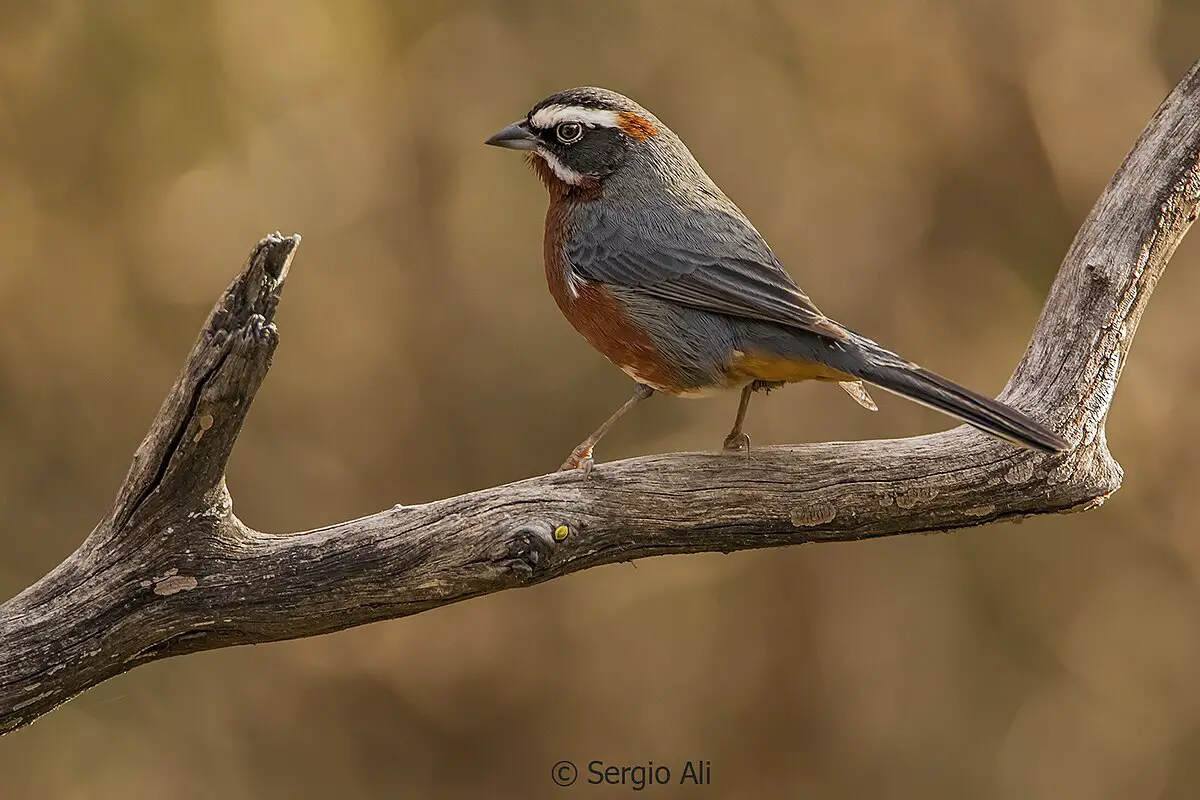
<point x="599" y="316"/>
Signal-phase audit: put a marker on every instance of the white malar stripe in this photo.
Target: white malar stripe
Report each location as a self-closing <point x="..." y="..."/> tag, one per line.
<point x="548" y="117"/>
<point x="563" y="172"/>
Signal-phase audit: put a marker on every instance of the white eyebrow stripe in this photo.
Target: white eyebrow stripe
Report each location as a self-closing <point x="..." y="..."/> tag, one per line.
<point x="550" y="116"/>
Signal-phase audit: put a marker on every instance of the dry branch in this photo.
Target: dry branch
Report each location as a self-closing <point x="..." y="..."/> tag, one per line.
<point x="170" y="570"/>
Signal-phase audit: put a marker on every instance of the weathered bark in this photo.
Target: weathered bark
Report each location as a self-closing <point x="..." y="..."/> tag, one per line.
<point x="170" y="570"/>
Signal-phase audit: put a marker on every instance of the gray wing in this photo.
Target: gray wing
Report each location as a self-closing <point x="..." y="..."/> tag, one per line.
<point x="711" y="260"/>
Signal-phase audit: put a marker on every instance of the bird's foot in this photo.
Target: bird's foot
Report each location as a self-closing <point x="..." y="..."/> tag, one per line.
<point x="580" y="458"/>
<point x="737" y="443"/>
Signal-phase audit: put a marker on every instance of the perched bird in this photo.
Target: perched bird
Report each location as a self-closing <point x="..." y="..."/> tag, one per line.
<point x="664" y="275"/>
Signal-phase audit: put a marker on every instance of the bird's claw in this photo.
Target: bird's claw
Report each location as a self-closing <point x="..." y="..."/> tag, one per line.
<point x="737" y="443"/>
<point x="580" y="458"/>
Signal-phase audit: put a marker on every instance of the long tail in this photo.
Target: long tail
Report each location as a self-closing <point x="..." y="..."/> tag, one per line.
<point x="885" y="369"/>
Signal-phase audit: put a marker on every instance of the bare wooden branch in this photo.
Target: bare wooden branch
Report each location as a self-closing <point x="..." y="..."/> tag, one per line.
<point x="170" y="570"/>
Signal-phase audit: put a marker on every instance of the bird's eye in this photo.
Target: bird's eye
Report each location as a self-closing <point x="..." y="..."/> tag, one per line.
<point x="569" y="132"/>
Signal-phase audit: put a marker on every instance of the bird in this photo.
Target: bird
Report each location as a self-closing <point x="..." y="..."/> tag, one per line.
<point x="665" y="276"/>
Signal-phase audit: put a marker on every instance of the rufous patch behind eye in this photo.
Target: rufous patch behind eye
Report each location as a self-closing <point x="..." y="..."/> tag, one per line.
<point x="636" y="126"/>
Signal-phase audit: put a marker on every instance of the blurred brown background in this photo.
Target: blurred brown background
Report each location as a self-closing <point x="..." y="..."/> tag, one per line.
<point x="921" y="165"/>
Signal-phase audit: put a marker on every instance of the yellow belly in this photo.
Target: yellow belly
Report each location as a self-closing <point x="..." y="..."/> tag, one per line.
<point x="746" y="367"/>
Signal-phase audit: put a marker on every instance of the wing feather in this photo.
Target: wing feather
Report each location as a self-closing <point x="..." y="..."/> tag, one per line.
<point x="724" y="266"/>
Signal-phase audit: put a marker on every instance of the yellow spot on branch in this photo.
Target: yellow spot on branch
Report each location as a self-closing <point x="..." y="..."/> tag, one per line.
<point x="206" y="422"/>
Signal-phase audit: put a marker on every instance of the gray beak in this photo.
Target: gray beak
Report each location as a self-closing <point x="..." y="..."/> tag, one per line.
<point x="515" y="137"/>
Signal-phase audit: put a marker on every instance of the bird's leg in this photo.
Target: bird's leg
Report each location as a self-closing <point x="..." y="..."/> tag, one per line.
<point x="737" y="441"/>
<point x="581" y="456"/>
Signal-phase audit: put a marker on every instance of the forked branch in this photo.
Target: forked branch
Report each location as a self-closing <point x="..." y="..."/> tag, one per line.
<point x="170" y="570"/>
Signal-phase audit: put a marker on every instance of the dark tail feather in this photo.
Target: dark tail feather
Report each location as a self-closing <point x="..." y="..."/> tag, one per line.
<point x="888" y="371"/>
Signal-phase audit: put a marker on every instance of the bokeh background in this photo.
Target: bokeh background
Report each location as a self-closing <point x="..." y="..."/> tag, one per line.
<point x="921" y="166"/>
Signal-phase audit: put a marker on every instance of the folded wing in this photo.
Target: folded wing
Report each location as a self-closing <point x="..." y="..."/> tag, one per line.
<point x="713" y="261"/>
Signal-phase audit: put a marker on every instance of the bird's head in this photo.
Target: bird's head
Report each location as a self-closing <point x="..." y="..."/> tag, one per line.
<point x="581" y="137"/>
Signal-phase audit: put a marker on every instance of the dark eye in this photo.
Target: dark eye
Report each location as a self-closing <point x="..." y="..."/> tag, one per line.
<point x="569" y="132"/>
